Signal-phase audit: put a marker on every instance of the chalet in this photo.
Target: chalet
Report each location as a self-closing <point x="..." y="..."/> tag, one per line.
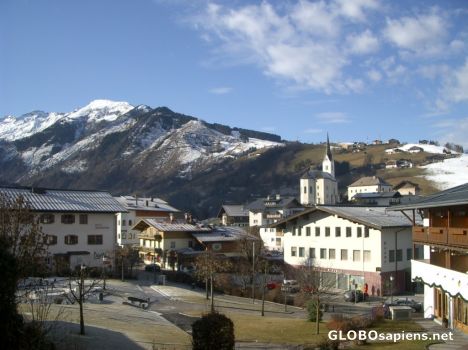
<point x="368" y="184"/>
<point x="264" y="212"/>
<point x="80" y="226"/>
<point x="351" y="246"/>
<point x="440" y="254"/>
<point x="234" y="215"/>
<point x="225" y="240"/>
<point x="407" y="188"/>
<point x="138" y="208"/>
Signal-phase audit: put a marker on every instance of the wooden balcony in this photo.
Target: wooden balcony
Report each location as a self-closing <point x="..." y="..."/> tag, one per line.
<point x="452" y="236"/>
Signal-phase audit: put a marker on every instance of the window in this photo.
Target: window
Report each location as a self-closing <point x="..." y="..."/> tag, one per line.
<point x="95" y="239"/>
<point x="327" y="231"/>
<point x="311" y="253"/>
<point x="409" y="253"/>
<point x="344" y="254"/>
<point x="278" y="241"/>
<point x="331" y="253"/>
<point x="301" y="252"/>
<point x="172" y="244"/>
<point x="71" y="239"/>
<point x="305" y="189"/>
<point x="294" y="230"/>
<point x="83" y="219"/>
<point x="307" y="231"/>
<point x="47" y="218"/>
<point x="366" y="255"/>
<point x="337" y="231"/>
<point x="130" y="222"/>
<point x="118" y="222"/>
<point x="124" y="222"/>
<point x="348" y="231"/>
<point x="68" y="218"/>
<point x="50" y="239"/>
<point x="391" y="255"/>
<point x="323" y="253"/>
<point x="399" y="255"/>
<point x="299" y="231"/>
<point x="317" y="231"/>
<point x="293" y="251"/>
<point x="359" y="231"/>
<point x="356" y="255"/>
<point x="366" y="232"/>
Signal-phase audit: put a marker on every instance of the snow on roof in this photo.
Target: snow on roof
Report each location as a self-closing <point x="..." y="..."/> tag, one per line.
<point x="172" y="227"/>
<point x="224" y="234"/>
<point x="145" y="203"/>
<point x="369" y="181"/>
<point x="65" y="200"/>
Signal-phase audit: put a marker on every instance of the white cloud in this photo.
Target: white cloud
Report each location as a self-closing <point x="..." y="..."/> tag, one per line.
<point x="374" y="75"/>
<point x="363" y="43"/>
<point x="354" y="9"/>
<point x="316" y="18"/>
<point x="332" y="118"/>
<point x="455" y="87"/>
<point x="220" y="90"/>
<point x="423" y="34"/>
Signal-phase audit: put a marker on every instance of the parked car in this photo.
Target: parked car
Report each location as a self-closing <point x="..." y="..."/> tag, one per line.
<point x="153" y="268"/>
<point x="350" y="295"/>
<point x="415" y="305"/>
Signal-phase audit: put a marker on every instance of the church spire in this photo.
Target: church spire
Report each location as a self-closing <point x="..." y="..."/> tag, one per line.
<point x="328" y="150"/>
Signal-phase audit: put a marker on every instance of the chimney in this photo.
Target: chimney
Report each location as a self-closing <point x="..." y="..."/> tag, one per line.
<point x="147" y="203"/>
<point x="171" y="217"/>
<point x="136" y="200"/>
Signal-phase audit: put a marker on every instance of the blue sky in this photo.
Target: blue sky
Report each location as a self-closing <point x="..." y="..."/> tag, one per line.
<point x="358" y="69"/>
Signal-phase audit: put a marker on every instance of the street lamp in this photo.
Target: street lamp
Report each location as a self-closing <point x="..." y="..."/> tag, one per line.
<point x="391" y="289"/>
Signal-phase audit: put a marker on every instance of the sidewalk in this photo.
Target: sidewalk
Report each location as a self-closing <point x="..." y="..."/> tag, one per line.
<point x="459" y="342"/>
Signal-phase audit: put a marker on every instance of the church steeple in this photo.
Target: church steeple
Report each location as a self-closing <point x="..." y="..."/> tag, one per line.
<point x="328" y="165"/>
<point x="328" y="153"/>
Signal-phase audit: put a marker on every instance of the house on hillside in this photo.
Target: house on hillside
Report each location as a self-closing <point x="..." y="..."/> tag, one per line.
<point x="368" y="184"/>
<point x="377" y="198"/>
<point x="265" y="211"/>
<point x="440" y="254"/>
<point x="138" y="208"/>
<point x="415" y="149"/>
<point x="351" y="246"/>
<point x="407" y="188"/>
<point x="234" y="215"/>
<point x="80" y="226"/>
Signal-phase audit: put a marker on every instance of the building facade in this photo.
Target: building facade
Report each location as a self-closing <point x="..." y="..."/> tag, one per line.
<point x="368" y="184"/>
<point x="80" y="226"/>
<point x="441" y="254"/>
<point x="351" y="246"/>
<point x="234" y="215"/>
<point x="138" y="208"/>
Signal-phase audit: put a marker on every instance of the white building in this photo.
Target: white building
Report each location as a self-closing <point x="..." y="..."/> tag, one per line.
<point x="80" y="226"/>
<point x="364" y="245"/>
<point x="368" y="184"/>
<point x="441" y="255"/>
<point x="264" y="212"/>
<point x="320" y="187"/>
<point x="138" y="208"/>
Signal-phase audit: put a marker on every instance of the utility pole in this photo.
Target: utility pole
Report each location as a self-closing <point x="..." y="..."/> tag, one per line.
<point x="253" y="272"/>
<point x="263" y="289"/>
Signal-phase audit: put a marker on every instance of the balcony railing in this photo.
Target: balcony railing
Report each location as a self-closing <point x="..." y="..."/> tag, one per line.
<point x="441" y="235"/>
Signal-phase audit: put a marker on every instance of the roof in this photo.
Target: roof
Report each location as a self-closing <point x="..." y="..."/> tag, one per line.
<point x="43" y="200"/>
<point x="168" y="226"/>
<point x="234" y="210"/>
<point x="282" y="202"/>
<point x="375" y="195"/>
<point x="317" y="174"/>
<point x="451" y="197"/>
<point x="369" y="181"/>
<point x="405" y="184"/>
<point x="145" y="203"/>
<point x="375" y="217"/>
<point x="328" y="150"/>
<point x="224" y="234"/>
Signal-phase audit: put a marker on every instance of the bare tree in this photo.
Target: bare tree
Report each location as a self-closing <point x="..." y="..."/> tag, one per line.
<point x="251" y="249"/>
<point x="84" y="288"/>
<point x="207" y="266"/>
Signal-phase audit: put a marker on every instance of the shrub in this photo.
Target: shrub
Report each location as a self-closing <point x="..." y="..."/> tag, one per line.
<point x="312" y="310"/>
<point x="213" y="331"/>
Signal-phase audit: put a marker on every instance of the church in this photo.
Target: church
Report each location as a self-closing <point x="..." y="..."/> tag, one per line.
<point x="320" y="187"/>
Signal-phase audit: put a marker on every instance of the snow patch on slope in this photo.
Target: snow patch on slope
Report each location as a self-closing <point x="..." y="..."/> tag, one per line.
<point x="12" y="128"/>
<point x="449" y="173"/>
<point x="427" y="148"/>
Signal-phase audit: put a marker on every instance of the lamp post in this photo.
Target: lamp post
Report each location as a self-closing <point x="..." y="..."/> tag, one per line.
<point x="391" y="289"/>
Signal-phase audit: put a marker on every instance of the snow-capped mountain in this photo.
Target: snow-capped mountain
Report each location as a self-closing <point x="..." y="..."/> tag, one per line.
<point x="111" y="141"/>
